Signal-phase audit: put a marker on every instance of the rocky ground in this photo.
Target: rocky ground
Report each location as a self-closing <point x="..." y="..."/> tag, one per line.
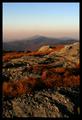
<point x="44" y="83"/>
<point x="43" y="103"/>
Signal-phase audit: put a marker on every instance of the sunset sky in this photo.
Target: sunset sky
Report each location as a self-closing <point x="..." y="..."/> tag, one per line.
<point x="24" y="20"/>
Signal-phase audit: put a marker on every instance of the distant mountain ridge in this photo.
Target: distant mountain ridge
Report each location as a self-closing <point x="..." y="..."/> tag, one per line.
<point x="34" y="43"/>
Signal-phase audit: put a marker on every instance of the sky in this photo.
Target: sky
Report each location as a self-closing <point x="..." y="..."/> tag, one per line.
<point x="24" y="20"/>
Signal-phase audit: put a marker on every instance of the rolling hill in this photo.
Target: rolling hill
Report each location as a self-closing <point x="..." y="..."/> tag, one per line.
<point x="34" y="43"/>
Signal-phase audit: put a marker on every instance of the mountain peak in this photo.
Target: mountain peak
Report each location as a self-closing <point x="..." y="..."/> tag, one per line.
<point x="37" y="37"/>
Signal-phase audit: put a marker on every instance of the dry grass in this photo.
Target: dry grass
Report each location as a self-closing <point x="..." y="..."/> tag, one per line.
<point x="53" y="79"/>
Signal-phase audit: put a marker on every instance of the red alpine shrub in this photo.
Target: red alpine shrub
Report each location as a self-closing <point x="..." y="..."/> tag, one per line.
<point x="19" y="87"/>
<point x="44" y="75"/>
<point x="7" y="88"/>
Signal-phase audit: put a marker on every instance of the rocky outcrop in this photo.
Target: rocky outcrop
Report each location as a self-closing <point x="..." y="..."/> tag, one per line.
<point x="45" y="48"/>
<point x="44" y="103"/>
<point x="43" y="83"/>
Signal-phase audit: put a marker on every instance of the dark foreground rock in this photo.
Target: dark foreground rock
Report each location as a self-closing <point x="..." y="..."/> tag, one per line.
<point x="44" y="103"/>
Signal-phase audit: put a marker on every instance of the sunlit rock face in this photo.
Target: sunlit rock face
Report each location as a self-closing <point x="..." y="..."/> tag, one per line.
<point x="45" y="48"/>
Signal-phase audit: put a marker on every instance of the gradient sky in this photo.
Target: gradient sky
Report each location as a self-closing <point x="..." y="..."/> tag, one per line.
<point x="23" y="20"/>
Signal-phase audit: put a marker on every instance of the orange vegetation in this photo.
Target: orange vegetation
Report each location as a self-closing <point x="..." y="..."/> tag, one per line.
<point x="52" y="81"/>
<point x="71" y="81"/>
<point x="18" y="87"/>
<point x="58" y="70"/>
<point x="58" y="80"/>
<point x="49" y="78"/>
<point x="12" y="55"/>
<point x="36" y="53"/>
<point x="58" y="47"/>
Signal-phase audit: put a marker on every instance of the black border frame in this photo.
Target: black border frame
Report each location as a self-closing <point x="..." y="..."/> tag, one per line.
<point x="1" y="48"/>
